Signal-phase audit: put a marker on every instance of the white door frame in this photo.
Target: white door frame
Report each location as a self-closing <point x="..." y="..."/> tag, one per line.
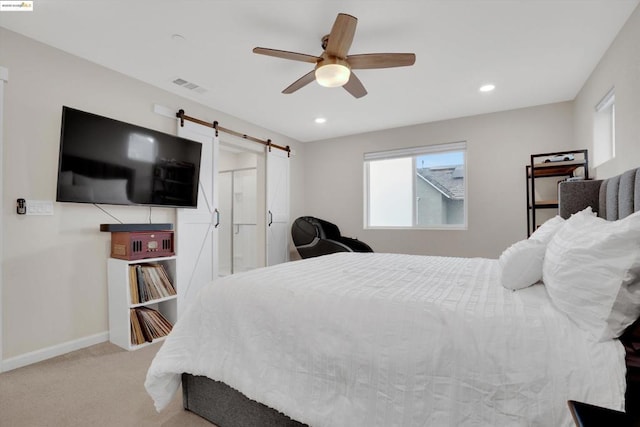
<point x="237" y="143"/>
<point x="4" y="78"/>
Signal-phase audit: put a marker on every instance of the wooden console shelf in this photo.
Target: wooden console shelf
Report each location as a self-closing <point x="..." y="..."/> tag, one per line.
<point x="564" y="168"/>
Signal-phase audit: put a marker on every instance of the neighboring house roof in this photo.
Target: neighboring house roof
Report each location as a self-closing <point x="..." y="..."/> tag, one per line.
<point x="448" y="180"/>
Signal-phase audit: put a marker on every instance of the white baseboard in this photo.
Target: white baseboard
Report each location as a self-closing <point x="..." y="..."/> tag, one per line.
<point x="49" y="352"/>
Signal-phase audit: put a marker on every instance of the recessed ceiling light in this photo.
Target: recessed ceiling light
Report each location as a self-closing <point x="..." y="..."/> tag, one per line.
<point x="178" y="38"/>
<point x="487" y="88"/>
<point x="320" y="120"/>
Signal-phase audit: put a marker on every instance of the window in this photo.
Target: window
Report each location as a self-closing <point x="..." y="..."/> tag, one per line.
<point x="422" y="187"/>
<point x="604" y="129"/>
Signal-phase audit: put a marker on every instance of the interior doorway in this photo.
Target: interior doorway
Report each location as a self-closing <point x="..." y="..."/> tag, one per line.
<point x="238" y="205"/>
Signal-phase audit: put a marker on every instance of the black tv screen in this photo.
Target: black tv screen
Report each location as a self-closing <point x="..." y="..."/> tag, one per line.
<point x="103" y="160"/>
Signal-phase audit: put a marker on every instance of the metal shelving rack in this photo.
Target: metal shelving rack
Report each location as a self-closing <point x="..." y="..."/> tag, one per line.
<point x="541" y="166"/>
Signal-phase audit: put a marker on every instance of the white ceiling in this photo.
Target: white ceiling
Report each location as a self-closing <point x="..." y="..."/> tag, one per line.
<point x="534" y="51"/>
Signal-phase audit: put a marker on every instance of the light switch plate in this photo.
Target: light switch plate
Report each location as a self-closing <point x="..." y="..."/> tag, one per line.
<point x="39" y="207"/>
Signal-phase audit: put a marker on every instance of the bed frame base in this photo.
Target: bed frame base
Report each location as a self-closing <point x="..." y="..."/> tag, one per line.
<point x="225" y="407"/>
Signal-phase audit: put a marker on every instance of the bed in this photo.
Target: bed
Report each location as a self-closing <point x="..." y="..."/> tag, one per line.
<point x="371" y="339"/>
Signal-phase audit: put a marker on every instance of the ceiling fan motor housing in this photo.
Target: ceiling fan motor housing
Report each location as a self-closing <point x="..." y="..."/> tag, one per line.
<point x="325" y="41"/>
<point x="328" y="59"/>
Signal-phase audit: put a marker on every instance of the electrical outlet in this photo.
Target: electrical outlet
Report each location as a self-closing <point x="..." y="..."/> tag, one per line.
<point x="39" y="207"/>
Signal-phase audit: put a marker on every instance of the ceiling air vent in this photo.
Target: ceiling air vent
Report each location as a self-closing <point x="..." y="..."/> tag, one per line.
<point x="189" y="85"/>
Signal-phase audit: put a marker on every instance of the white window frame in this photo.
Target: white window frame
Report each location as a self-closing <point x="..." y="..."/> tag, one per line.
<point x="604" y="129"/>
<point x="414" y="152"/>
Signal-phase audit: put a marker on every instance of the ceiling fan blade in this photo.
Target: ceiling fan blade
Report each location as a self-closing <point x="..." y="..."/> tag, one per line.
<point x="354" y="87"/>
<point x="380" y="60"/>
<point x="301" y="82"/>
<point x="341" y="36"/>
<point x="286" y="55"/>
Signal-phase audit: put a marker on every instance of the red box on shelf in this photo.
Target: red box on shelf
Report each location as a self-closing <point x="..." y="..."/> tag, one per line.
<point x="141" y="244"/>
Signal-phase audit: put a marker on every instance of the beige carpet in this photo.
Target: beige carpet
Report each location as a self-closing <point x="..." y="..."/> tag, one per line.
<point x="101" y="385"/>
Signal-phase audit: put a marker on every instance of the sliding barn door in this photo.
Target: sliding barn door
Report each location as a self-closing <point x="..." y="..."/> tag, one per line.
<point x="196" y="229"/>
<point x="278" y="228"/>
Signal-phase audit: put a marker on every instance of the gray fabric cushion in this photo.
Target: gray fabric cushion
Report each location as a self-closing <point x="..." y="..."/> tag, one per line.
<point x="627" y="184"/>
<point x="636" y="196"/>
<point x="602" y="205"/>
<point x="613" y="184"/>
<point x="574" y="196"/>
<point x="224" y="406"/>
<point x="613" y="198"/>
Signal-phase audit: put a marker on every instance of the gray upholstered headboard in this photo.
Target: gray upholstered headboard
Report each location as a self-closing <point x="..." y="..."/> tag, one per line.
<point x="611" y="198"/>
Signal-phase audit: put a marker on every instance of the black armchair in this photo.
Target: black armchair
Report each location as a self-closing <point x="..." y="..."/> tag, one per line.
<point x="314" y="237"/>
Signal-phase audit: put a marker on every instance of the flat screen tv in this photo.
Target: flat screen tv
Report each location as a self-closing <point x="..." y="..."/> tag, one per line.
<point x="107" y="161"/>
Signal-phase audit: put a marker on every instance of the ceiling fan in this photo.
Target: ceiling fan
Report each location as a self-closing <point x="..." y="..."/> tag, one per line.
<point x="334" y="67"/>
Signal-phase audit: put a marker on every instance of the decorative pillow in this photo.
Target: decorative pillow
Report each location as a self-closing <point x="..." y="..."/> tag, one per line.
<point x="591" y="271"/>
<point x="545" y="232"/>
<point x="522" y="264"/>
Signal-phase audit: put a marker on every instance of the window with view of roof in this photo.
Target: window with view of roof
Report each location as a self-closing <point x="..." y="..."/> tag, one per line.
<point x="421" y="187"/>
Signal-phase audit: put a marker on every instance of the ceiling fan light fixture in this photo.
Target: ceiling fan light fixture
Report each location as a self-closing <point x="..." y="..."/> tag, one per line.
<point x="333" y="66"/>
<point x="332" y="75"/>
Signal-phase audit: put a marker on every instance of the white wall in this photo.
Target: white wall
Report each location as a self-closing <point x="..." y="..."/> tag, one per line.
<point x="619" y="68"/>
<point x="498" y="148"/>
<point x="54" y="271"/>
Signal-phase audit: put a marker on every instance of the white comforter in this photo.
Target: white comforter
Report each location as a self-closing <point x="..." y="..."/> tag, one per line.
<point x="385" y="339"/>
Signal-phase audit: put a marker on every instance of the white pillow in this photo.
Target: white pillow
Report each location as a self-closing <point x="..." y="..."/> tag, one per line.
<point x="521" y="264"/>
<point x="591" y="271"/>
<point x="545" y="232"/>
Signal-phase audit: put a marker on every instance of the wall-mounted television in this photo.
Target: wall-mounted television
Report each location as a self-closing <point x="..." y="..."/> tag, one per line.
<point x="106" y="161"/>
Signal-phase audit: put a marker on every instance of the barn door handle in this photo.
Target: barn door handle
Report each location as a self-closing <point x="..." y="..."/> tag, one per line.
<point x="270" y="218"/>
<point x="217" y="212"/>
